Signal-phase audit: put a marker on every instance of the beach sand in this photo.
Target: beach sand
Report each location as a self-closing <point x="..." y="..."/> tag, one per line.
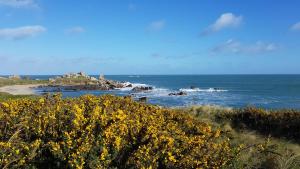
<point x="19" y="89"/>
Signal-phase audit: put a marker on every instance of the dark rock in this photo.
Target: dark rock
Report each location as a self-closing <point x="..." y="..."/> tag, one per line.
<point x="128" y="97"/>
<point x="193" y="87"/>
<point x="130" y="85"/>
<point x="142" y="99"/>
<point x="142" y="88"/>
<point x="178" y="94"/>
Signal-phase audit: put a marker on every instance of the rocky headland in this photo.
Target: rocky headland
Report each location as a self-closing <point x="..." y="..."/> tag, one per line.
<point x="80" y="81"/>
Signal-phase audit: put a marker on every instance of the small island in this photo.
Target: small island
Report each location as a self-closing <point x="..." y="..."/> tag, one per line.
<point x="23" y="85"/>
<point x="81" y="81"/>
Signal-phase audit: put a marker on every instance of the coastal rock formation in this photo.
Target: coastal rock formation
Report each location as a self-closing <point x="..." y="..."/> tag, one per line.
<point x="142" y="88"/>
<point x="142" y="99"/>
<point x="193" y="87"/>
<point x="101" y="77"/>
<point x="14" y="77"/>
<point x="178" y="94"/>
<point x="81" y="81"/>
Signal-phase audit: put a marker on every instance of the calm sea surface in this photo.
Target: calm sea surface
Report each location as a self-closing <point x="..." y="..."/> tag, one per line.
<point x="267" y="91"/>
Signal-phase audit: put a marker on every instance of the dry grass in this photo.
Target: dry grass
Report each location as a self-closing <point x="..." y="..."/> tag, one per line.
<point x="278" y="152"/>
<point x="8" y="82"/>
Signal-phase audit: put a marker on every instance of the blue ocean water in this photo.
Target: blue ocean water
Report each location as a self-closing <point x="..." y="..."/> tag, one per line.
<point x="266" y="91"/>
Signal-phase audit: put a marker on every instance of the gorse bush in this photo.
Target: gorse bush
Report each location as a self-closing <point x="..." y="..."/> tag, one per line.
<point x="278" y="123"/>
<point x="106" y="132"/>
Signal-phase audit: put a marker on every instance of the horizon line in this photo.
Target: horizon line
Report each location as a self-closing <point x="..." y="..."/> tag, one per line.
<point x="157" y="74"/>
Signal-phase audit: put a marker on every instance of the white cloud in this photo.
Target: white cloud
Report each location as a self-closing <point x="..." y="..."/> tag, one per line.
<point x="19" y="3"/>
<point x="75" y="30"/>
<point x="236" y="47"/>
<point x="226" y="20"/>
<point x="21" y="32"/>
<point x="156" y="25"/>
<point x="295" y="27"/>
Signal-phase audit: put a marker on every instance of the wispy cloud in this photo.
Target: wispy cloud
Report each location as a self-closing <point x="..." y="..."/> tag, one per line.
<point x="295" y="27"/>
<point x="156" y="25"/>
<point x="236" y="47"/>
<point x="19" y="3"/>
<point x="75" y="30"/>
<point x="226" y="20"/>
<point x="21" y="32"/>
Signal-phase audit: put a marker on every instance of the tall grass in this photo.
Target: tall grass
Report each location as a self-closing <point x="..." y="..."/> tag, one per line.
<point x="7" y="82"/>
<point x="253" y="127"/>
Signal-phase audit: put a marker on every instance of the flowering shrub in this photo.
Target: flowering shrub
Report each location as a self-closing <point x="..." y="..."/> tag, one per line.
<point x="106" y="132"/>
<point x="278" y="123"/>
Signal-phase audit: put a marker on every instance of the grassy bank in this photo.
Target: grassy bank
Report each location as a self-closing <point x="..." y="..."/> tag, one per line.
<point x="14" y="81"/>
<point x="117" y="132"/>
<point x="276" y="129"/>
<point x="6" y="96"/>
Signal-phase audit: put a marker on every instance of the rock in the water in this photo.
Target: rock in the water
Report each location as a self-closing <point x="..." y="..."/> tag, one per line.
<point x="178" y="94"/>
<point x="142" y="88"/>
<point x="142" y="99"/>
<point x="193" y="87"/>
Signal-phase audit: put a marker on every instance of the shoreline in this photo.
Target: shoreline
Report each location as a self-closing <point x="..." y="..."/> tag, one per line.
<point x="20" y="89"/>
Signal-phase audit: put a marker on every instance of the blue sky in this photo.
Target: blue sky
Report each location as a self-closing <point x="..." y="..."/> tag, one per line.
<point x="149" y="37"/>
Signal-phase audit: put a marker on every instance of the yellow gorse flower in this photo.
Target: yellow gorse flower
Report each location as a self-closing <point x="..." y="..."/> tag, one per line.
<point x="106" y="132"/>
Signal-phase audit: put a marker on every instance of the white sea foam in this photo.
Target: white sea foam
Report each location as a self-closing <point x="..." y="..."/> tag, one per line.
<point x="155" y="92"/>
<point x="202" y="90"/>
<point x="133" y="86"/>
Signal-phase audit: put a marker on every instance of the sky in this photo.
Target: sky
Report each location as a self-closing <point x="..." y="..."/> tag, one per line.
<point x="42" y="37"/>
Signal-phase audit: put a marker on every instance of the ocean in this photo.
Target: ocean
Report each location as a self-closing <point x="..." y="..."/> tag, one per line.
<point x="265" y="91"/>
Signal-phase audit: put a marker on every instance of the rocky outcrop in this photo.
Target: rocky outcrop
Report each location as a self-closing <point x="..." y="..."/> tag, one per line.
<point x="73" y="76"/>
<point x="81" y="81"/>
<point x="178" y="94"/>
<point x="14" y="77"/>
<point x="142" y="99"/>
<point x="142" y="88"/>
<point x="193" y="87"/>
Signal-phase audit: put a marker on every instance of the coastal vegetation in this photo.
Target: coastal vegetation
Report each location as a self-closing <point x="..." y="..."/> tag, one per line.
<point x="251" y="126"/>
<point x="117" y="132"/>
<point x="6" y="96"/>
<point x="82" y="81"/>
<point x="106" y="132"/>
<point x="20" y="81"/>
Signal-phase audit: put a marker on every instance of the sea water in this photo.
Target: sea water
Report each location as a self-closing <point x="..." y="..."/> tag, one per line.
<point x="266" y="91"/>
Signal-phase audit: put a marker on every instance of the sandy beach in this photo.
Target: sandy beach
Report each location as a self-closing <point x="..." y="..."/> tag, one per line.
<point x="19" y="89"/>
